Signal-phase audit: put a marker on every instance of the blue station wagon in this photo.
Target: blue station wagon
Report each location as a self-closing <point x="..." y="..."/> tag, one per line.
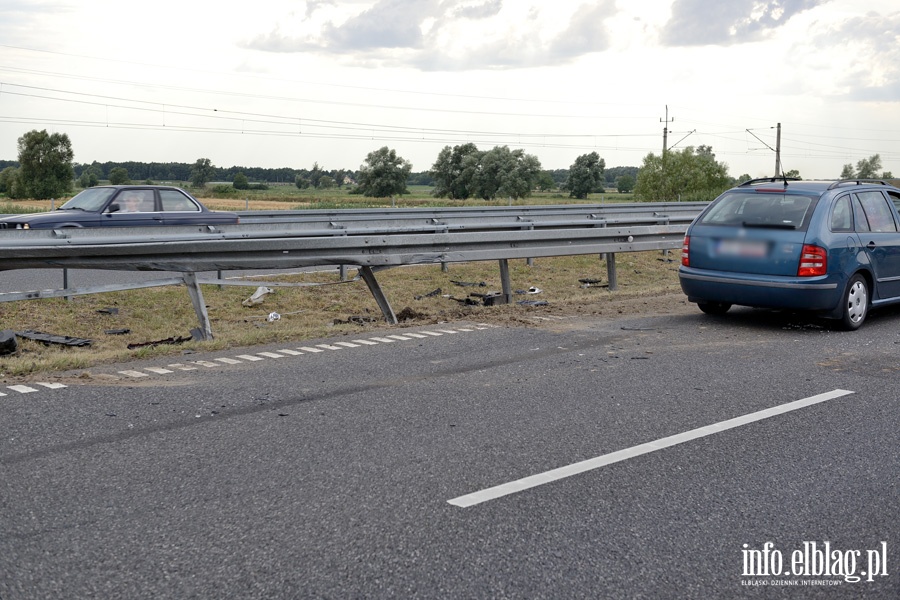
<point x="830" y="247"/>
<point x="124" y="206"/>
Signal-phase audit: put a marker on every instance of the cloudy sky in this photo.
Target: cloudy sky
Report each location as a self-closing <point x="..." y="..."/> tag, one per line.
<point x="286" y="83"/>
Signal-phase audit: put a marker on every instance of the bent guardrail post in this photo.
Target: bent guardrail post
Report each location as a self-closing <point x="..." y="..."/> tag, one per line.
<point x="368" y="276"/>
<point x="190" y="280"/>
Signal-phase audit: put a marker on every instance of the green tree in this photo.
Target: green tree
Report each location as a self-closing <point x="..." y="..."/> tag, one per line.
<point x="315" y="175"/>
<point x="88" y="178"/>
<point x="119" y="176"/>
<point x="625" y="184"/>
<point x="240" y="182"/>
<point x="688" y="173"/>
<point x="9" y="182"/>
<point x="793" y="173"/>
<point x="868" y="168"/>
<point x="585" y="175"/>
<point x="453" y="170"/>
<point x="847" y="172"/>
<point x="45" y="164"/>
<point x="465" y="172"/>
<point x="301" y="182"/>
<point x="545" y="182"/>
<point x="384" y="174"/>
<point x="202" y="172"/>
<point x="520" y="173"/>
<point x="327" y="182"/>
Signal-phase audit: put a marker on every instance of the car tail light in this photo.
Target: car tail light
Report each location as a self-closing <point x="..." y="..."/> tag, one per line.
<point x="813" y="261"/>
<point x="686" y="251"/>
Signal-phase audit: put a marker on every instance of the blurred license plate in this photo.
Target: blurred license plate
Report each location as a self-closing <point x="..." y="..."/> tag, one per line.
<point x="748" y="248"/>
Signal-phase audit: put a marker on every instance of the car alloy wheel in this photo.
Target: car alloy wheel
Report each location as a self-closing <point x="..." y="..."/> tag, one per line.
<point x="856" y="302"/>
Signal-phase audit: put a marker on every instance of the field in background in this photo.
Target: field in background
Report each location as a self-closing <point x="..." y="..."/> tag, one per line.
<point x="289" y="197"/>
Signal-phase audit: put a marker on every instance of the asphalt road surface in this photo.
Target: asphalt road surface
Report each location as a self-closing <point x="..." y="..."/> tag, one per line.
<point x="656" y="457"/>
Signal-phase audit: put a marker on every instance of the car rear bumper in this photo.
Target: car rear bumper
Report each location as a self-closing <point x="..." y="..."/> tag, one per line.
<point x="764" y="291"/>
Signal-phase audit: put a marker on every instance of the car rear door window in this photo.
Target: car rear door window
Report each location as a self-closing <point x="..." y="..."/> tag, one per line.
<point x="879" y="215"/>
<point x="175" y="201"/>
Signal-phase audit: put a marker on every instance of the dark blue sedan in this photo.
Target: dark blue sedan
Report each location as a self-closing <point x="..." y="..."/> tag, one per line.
<point x="830" y="247"/>
<point x="124" y="206"/>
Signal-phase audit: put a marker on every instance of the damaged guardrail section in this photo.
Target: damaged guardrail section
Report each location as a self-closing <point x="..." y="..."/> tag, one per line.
<point x="369" y="239"/>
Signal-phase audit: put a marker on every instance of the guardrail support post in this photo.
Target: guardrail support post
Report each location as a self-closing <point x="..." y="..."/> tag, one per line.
<point x="190" y="280"/>
<point x="504" y="280"/>
<point x="369" y="277"/>
<point x="611" y="271"/>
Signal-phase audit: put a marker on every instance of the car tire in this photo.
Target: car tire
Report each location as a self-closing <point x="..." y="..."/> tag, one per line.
<point x="855" y="303"/>
<point x="714" y="308"/>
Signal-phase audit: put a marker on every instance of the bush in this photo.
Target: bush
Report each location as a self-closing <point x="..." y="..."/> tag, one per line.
<point x="223" y="190"/>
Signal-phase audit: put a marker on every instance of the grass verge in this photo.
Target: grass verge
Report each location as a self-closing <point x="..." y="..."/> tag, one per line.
<point x="335" y="309"/>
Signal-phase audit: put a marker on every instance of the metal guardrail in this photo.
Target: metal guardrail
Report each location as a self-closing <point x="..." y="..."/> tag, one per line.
<point x="367" y="238"/>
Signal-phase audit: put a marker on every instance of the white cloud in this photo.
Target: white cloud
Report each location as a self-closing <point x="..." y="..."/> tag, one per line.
<point x="450" y="35"/>
<point x="701" y="22"/>
<point x="289" y="83"/>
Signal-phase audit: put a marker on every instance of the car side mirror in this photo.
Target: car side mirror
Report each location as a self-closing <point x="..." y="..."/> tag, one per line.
<point x="113" y="208"/>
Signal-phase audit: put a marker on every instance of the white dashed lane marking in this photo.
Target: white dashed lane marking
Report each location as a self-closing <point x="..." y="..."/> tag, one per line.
<point x="559" y="473"/>
<point x="228" y="361"/>
<point x="259" y="356"/>
<point x="135" y="374"/>
<point x="27" y="389"/>
<point x="22" y="389"/>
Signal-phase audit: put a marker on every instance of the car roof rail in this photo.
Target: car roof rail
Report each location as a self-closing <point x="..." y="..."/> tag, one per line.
<point x="857" y="181"/>
<point x="770" y="180"/>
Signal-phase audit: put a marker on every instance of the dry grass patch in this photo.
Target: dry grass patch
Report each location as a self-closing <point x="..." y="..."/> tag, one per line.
<point x="335" y="309"/>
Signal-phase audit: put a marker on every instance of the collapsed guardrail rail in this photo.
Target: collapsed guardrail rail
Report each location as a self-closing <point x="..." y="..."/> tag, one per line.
<point x="370" y="239"/>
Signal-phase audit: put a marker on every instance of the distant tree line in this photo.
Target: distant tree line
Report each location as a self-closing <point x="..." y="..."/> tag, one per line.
<point x="45" y="170"/>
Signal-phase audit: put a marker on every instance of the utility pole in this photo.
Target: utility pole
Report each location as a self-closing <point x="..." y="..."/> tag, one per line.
<point x="666" y="122"/>
<point x="665" y="145"/>
<point x="778" y="152"/>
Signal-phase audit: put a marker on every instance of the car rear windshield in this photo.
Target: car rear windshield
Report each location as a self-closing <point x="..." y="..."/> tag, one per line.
<point x="755" y="209"/>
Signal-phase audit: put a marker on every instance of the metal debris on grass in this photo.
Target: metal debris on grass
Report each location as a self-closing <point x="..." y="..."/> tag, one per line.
<point x="168" y="340"/>
<point x="431" y="294"/>
<point x="8" y="343"/>
<point x="50" y="338"/>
